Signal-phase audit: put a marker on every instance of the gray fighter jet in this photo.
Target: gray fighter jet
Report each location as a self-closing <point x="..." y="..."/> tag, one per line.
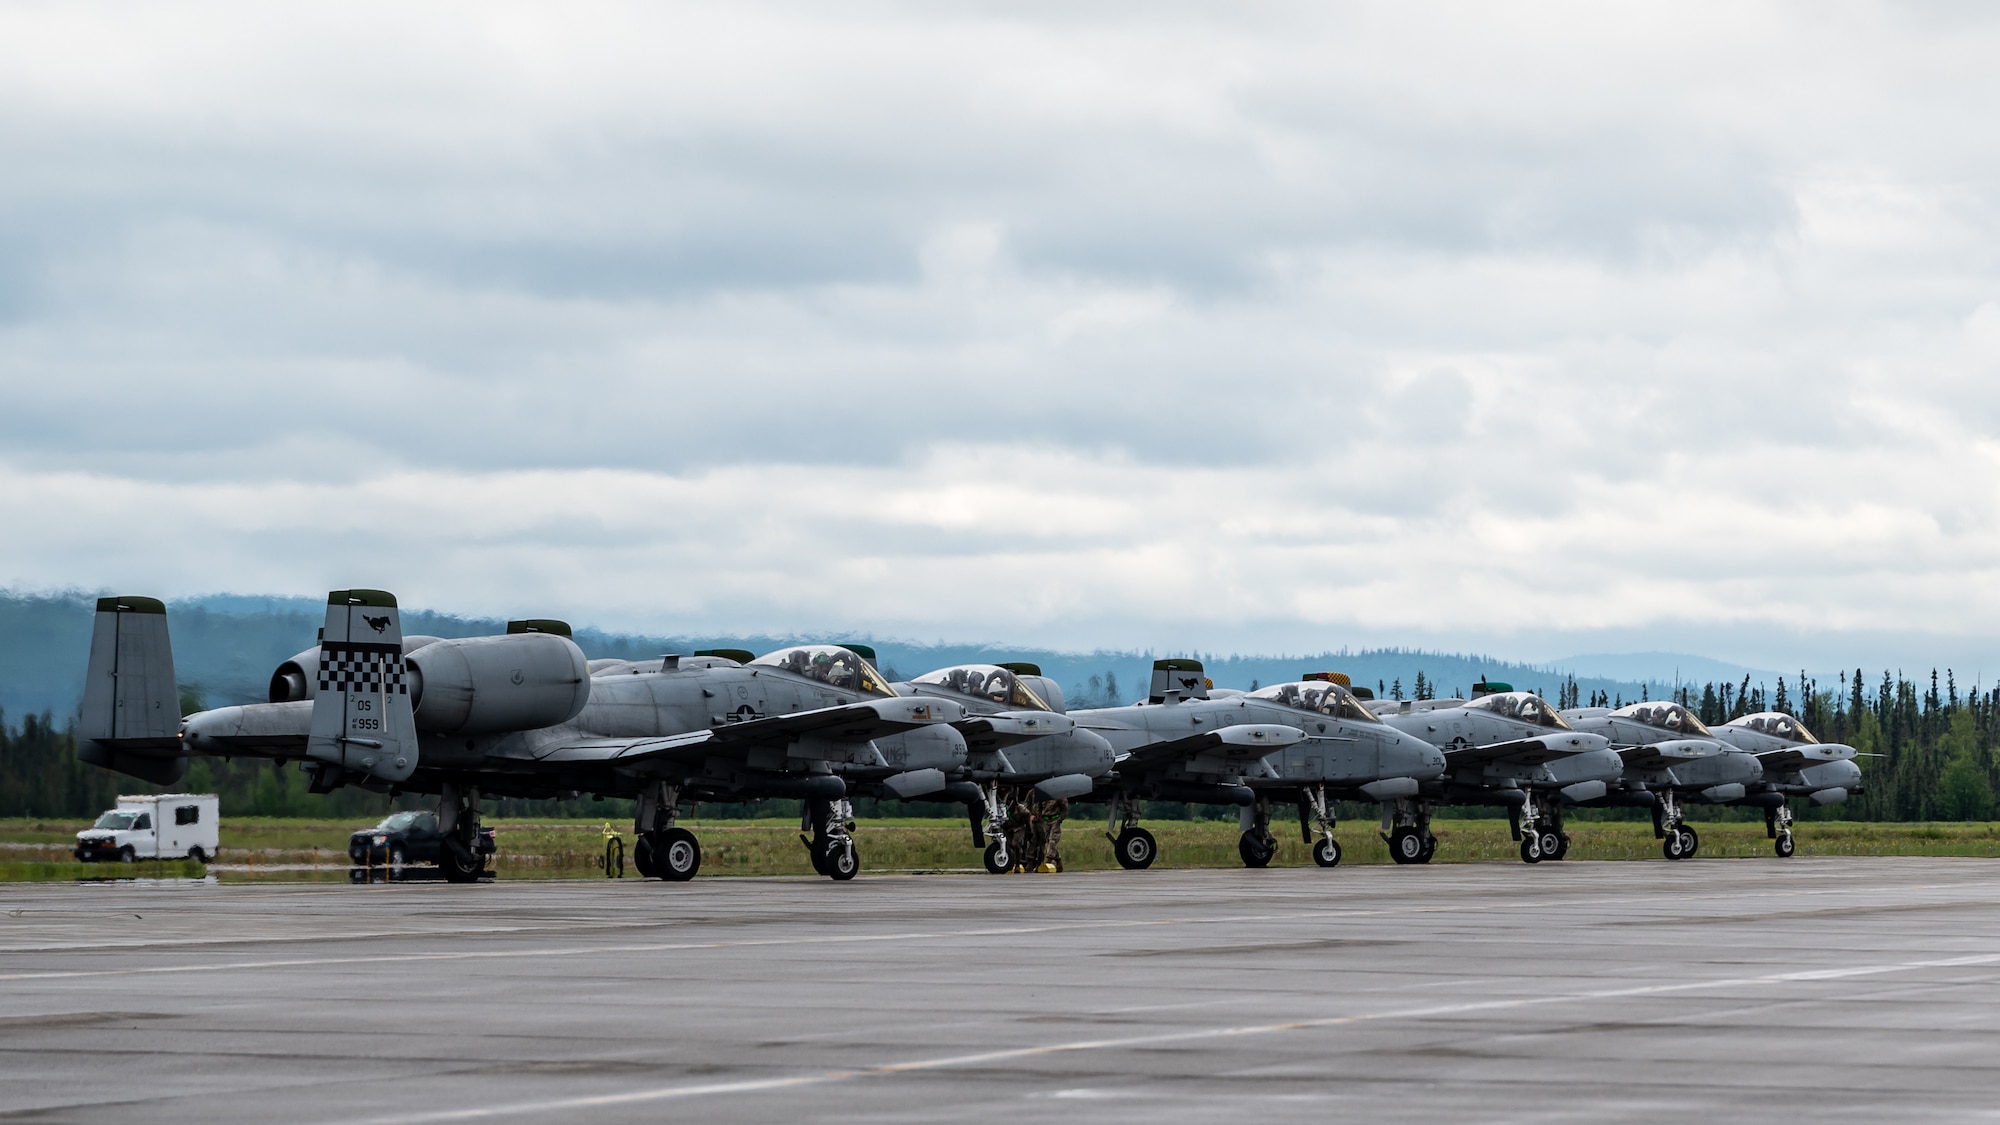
<point x="1671" y="758"/>
<point x="1795" y="765"/>
<point x="1018" y="744"/>
<point x="1309" y="741"/>
<point x="524" y="715"/>
<point x="1506" y="748"/>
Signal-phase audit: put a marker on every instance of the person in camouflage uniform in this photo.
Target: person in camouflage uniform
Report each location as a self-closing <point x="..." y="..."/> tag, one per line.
<point x="1049" y="817"/>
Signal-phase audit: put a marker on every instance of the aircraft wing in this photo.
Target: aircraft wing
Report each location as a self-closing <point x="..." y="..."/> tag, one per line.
<point x="993" y="732"/>
<point x="1668" y="754"/>
<point x="1528" y="751"/>
<point x="1793" y="758"/>
<point x="1244" y="742"/>
<point x="849" y="722"/>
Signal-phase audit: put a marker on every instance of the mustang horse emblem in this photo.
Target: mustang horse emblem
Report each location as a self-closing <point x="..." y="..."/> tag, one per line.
<point x="376" y="623"/>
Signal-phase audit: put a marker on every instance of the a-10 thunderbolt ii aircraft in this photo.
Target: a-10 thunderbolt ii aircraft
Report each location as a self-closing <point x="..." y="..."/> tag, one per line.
<point x="1503" y="747"/>
<point x="1795" y="765"/>
<point x="522" y="715"/>
<point x="1018" y="741"/>
<point x="1311" y="741"/>
<point x="1671" y="758"/>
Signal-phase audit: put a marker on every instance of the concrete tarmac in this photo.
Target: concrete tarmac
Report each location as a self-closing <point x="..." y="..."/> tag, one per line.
<point x="1829" y="989"/>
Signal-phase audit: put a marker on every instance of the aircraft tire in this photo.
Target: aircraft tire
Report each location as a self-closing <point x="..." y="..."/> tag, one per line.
<point x="1430" y="848"/>
<point x="1406" y="845"/>
<point x="1531" y="849"/>
<point x="679" y="855"/>
<point x="1136" y="849"/>
<point x="1326" y="853"/>
<point x="642" y="857"/>
<point x="998" y="861"/>
<point x="1675" y="845"/>
<point x="1562" y="845"/>
<point x="1693" y="841"/>
<point x="459" y="867"/>
<point x="1784" y="845"/>
<point x="1551" y="845"/>
<point x="1255" y="852"/>
<point x="840" y="861"/>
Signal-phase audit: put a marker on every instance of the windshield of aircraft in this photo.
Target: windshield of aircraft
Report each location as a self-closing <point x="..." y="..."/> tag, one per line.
<point x="1521" y="706"/>
<point x="116" y="821"/>
<point x="1316" y="695"/>
<point x="986" y="681"/>
<point x="1666" y="716"/>
<point x="829" y="664"/>
<point x="1777" y="724"/>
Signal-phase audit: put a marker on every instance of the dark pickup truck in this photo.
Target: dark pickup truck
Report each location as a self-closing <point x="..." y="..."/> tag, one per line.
<point x="402" y="839"/>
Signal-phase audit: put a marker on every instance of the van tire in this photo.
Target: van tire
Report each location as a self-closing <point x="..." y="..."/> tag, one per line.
<point x="195" y="853"/>
<point x="126" y="854"/>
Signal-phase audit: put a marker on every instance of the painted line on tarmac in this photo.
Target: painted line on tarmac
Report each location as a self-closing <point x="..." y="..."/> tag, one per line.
<point x="952" y="1062"/>
<point x="921" y="935"/>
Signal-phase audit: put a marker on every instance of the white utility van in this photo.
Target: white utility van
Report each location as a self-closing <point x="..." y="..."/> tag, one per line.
<point x="166" y="826"/>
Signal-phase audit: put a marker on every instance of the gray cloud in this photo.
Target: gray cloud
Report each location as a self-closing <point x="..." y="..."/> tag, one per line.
<point x="1272" y="327"/>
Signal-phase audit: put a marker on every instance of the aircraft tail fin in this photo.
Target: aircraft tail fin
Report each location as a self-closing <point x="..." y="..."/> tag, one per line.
<point x="131" y="719"/>
<point x="363" y="720"/>
<point x="1177" y="680"/>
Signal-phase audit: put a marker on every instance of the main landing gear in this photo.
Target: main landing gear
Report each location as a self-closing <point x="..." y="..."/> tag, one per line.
<point x="1315" y="812"/>
<point x="1778" y="826"/>
<point x="1134" y="846"/>
<point x="1677" y="840"/>
<point x="832" y="843"/>
<point x="991" y="831"/>
<point x="663" y="851"/>
<point x="1538" y="824"/>
<point x="1257" y="846"/>
<point x="1409" y="837"/>
<point x="463" y="851"/>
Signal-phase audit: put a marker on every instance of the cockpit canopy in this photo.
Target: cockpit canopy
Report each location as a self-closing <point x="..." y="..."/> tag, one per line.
<point x="986" y="681"/>
<point x="1316" y="695"/>
<point x="829" y="664"/>
<point x="1522" y="707"/>
<point x="1666" y="716"/>
<point x="1777" y="724"/>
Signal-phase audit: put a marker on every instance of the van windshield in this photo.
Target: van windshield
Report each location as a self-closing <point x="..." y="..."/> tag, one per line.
<point x="115" y="820"/>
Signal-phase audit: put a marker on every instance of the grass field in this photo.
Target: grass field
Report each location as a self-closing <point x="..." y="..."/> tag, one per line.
<point x="292" y="850"/>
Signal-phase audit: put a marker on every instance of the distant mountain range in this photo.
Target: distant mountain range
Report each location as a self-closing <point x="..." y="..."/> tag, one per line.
<point x="228" y="644"/>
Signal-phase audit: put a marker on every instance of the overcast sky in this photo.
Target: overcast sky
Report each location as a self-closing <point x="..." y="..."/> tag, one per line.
<point x="1528" y="329"/>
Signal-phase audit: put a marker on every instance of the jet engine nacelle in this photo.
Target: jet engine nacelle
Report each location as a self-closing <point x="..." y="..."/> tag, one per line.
<point x="486" y="685"/>
<point x="295" y="681"/>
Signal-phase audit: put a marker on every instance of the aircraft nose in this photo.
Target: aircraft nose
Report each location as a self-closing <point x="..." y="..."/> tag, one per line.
<point x="1421" y="760"/>
<point x="1099" y="749"/>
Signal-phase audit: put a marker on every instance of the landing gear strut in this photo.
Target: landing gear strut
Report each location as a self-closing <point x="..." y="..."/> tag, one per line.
<point x="463" y="852"/>
<point x="1410" y="840"/>
<point x="1538" y="824"/>
<point x="663" y="851"/>
<point x="832" y="844"/>
<point x="1134" y="846"/>
<point x="1677" y="840"/>
<point x="1257" y="846"/>
<point x="992" y="834"/>
<point x="1315" y="812"/>
<point x="1778" y="826"/>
